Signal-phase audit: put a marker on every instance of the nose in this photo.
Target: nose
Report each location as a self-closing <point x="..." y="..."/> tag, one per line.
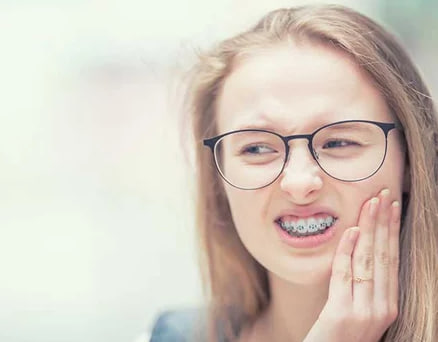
<point x="302" y="177"/>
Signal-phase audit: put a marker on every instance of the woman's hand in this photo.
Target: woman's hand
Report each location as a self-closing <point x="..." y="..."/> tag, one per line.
<point x="363" y="293"/>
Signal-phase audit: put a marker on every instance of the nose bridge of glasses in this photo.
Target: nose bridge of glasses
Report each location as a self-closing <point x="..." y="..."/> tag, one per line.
<point x="292" y="147"/>
<point x="300" y="168"/>
<point x="300" y="159"/>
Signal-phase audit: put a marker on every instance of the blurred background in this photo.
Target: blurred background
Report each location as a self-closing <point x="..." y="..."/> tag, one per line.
<point x="96" y="201"/>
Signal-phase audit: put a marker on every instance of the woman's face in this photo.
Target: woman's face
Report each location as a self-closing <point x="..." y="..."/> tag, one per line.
<point x="295" y="90"/>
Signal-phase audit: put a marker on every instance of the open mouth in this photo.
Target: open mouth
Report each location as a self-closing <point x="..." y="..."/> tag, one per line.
<point x="309" y="226"/>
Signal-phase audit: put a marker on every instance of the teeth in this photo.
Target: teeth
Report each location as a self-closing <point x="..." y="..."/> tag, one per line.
<point x="305" y="227"/>
<point x="312" y="225"/>
<point x="322" y="224"/>
<point x="293" y="227"/>
<point x="329" y="221"/>
<point x="301" y="226"/>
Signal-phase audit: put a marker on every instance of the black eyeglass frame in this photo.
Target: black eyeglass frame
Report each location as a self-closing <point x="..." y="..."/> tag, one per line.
<point x="385" y="126"/>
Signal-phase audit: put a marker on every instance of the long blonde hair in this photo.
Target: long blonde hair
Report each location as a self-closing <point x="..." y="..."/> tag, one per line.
<point x="236" y="285"/>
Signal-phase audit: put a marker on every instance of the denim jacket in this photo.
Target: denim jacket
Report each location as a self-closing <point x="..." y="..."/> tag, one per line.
<point x="179" y="326"/>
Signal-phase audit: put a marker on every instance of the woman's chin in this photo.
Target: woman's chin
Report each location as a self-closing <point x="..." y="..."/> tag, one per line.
<point x="313" y="276"/>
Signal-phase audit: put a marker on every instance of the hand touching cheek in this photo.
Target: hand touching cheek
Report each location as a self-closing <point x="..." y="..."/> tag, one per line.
<point x="363" y="293"/>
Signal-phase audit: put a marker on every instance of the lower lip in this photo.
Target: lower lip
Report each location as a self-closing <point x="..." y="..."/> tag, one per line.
<point x="306" y="241"/>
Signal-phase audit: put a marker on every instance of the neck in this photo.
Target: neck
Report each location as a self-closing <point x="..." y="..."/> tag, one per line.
<point x="293" y="309"/>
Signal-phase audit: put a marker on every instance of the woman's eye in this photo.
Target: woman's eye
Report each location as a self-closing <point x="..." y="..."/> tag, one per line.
<point x="257" y="149"/>
<point x="339" y="143"/>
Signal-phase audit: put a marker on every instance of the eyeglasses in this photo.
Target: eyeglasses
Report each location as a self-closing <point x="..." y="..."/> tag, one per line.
<point x="348" y="151"/>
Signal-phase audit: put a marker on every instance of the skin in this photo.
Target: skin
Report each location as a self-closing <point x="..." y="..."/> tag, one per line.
<point x="294" y="89"/>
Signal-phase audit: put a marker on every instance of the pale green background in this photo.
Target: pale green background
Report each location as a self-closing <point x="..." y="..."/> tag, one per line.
<point x="96" y="224"/>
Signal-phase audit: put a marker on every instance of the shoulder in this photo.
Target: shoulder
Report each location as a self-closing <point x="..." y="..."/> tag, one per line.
<point x="179" y="326"/>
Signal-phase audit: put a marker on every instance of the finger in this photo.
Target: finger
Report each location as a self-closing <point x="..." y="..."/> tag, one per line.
<point x="394" y="253"/>
<point x="340" y="291"/>
<point x="363" y="256"/>
<point x="381" y="251"/>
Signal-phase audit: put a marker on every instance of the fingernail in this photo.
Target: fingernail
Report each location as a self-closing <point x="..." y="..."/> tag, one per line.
<point x="352" y="233"/>
<point x="373" y="206"/>
<point x="385" y="192"/>
<point x="396" y="204"/>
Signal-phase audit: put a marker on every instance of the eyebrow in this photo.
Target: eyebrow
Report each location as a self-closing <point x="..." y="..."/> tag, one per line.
<point x="265" y="126"/>
<point x="266" y="123"/>
<point x="349" y="126"/>
<point x="262" y="121"/>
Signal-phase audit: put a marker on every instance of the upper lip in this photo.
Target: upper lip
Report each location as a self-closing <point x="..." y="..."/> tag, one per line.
<point x="306" y="211"/>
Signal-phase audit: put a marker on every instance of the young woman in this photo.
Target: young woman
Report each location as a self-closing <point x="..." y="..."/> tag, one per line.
<point x="317" y="184"/>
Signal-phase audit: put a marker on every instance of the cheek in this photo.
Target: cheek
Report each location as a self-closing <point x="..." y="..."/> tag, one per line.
<point x="352" y="196"/>
<point x="248" y="209"/>
<point x="389" y="176"/>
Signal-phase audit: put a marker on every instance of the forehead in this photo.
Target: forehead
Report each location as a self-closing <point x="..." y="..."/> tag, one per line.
<point x="297" y="88"/>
